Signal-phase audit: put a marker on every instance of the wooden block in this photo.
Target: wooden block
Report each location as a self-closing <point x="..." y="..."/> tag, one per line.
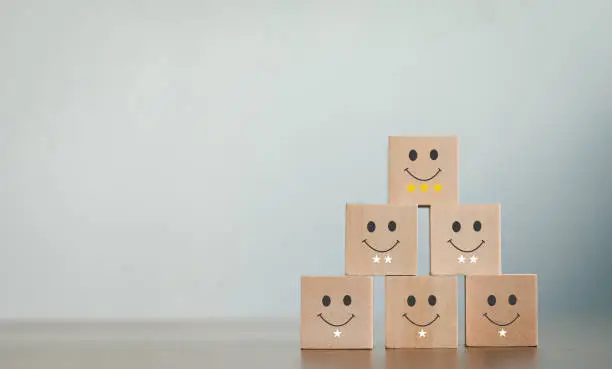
<point x="423" y="170"/>
<point x="421" y="312"/>
<point x="337" y="312"/>
<point x="381" y="240"/>
<point x="501" y="310"/>
<point x="465" y="239"/>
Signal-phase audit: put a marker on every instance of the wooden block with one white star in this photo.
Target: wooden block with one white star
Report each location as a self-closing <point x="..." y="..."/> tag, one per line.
<point x="420" y="312"/>
<point x="501" y="310"/>
<point x="337" y="312"/>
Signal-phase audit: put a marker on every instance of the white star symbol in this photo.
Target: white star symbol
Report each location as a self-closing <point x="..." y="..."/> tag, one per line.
<point x="422" y="333"/>
<point x="388" y="259"/>
<point x="502" y="333"/>
<point x="376" y="259"/>
<point x="473" y="259"/>
<point x="461" y="259"/>
<point x="337" y="333"/>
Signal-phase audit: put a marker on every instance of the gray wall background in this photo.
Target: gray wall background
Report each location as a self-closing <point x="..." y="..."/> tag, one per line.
<point x="186" y="159"/>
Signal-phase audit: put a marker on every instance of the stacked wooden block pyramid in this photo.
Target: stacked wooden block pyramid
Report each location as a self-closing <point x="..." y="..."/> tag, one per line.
<point x="421" y="310"/>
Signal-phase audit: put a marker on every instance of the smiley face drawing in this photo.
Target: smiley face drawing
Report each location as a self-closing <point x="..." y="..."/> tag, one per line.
<point x="337" y="312"/>
<point x="420" y="312"/>
<point x="381" y="239"/>
<point x="423" y="170"/>
<point x="465" y="239"/>
<point x="501" y="310"/>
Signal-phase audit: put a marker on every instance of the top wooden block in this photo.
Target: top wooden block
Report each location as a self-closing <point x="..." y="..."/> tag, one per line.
<point x="423" y="170"/>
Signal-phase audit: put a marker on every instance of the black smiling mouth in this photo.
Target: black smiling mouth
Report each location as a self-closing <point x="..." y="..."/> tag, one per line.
<point x="381" y="251"/>
<point x="466" y="251"/>
<point x="502" y="324"/>
<point x="320" y="315"/>
<point x="422" y="179"/>
<point x="421" y="325"/>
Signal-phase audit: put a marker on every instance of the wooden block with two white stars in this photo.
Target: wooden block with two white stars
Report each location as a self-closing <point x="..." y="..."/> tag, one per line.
<point x="381" y="239"/>
<point x="465" y="239"/>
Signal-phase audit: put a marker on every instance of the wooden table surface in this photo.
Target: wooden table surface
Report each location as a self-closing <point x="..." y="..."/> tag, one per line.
<point x="565" y="342"/>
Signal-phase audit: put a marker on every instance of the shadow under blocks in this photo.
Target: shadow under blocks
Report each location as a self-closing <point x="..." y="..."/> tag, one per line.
<point x="501" y="310"/>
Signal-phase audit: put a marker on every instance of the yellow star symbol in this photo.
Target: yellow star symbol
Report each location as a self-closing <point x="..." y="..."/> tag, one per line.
<point x="410" y="188"/>
<point x="438" y="187"/>
<point x="424" y="188"/>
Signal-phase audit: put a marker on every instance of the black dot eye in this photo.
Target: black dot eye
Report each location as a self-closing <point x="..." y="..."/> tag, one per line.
<point x="371" y="227"/>
<point x="347" y="300"/>
<point x="411" y="300"/>
<point x="326" y="300"/>
<point x="433" y="154"/>
<point x="491" y="300"/>
<point x="477" y="226"/>
<point x="512" y="300"/>
<point x="432" y="300"/>
<point x="412" y="155"/>
<point x="392" y="226"/>
<point x="456" y="226"/>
